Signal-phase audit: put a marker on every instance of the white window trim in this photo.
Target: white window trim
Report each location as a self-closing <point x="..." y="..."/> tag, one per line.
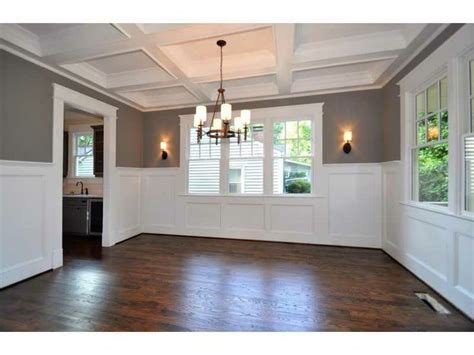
<point x="74" y="156"/>
<point x="465" y="125"/>
<point x="312" y="112"/>
<point x="447" y="58"/>
<point x="71" y="173"/>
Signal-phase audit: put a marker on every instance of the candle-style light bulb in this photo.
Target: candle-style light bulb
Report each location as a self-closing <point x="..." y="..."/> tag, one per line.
<point x="226" y="112"/>
<point x="245" y="116"/>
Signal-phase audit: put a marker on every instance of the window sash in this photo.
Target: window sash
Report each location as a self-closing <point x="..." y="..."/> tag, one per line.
<point x="439" y="111"/>
<point x="415" y="146"/>
<point x="78" y="156"/>
<point x="267" y="159"/>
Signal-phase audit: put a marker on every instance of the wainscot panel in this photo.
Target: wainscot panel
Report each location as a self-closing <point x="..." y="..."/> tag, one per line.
<point x="437" y="247"/>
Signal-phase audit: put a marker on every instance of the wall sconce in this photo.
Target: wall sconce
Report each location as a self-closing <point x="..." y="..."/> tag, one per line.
<point x="348" y="138"/>
<point x="164" y="153"/>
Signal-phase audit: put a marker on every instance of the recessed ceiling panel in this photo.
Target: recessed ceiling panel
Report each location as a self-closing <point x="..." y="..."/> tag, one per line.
<point x="161" y="97"/>
<point x="244" y="51"/>
<point x="357" y="74"/>
<point x="313" y="32"/>
<point x="123" y="62"/>
<point x="148" y="28"/>
<point x="244" y="88"/>
<point x="42" y="29"/>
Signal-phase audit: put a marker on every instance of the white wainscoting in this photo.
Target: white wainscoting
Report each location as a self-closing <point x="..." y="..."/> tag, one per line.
<point x="30" y="217"/>
<point x="128" y="210"/>
<point x="348" y="212"/>
<point x="26" y="245"/>
<point x="437" y="247"/>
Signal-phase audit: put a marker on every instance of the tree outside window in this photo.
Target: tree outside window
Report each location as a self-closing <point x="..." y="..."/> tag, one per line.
<point x="430" y="153"/>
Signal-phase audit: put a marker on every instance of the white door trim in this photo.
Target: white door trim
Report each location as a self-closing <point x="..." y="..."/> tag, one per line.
<point x="61" y="96"/>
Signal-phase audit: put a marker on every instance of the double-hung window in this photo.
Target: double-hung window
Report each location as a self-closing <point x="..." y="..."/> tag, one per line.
<point x="292" y="157"/>
<point x="203" y="165"/>
<point x="430" y="149"/>
<point x="469" y="145"/>
<point x="246" y="162"/>
<point x="83" y="154"/>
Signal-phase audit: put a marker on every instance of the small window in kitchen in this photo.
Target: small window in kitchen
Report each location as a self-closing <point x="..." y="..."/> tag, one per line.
<point x="84" y="154"/>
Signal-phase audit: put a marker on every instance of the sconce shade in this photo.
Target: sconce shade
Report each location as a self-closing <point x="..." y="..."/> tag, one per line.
<point x="346" y="148"/>
<point x="348" y="136"/>
<point x="164" y="153"/>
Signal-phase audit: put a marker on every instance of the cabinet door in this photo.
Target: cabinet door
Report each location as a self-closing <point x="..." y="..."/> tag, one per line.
<point x="98" y="150"/>
<point x="95" y="217"/>
<point x="75" y="220"/>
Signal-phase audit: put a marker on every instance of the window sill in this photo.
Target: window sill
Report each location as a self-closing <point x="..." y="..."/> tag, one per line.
<point x="251" y="195"/>
<point x="428" y="207"/>
<point x="440" y="210"/>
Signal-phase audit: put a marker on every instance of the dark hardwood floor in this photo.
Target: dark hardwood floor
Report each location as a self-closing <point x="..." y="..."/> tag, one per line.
<point x="167" y="283"/>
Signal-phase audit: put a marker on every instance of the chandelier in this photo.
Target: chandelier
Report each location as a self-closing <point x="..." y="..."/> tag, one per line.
<point x="222" y="127"/>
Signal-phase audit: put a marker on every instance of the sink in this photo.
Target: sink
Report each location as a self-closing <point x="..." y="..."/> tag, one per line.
<point x="81" y="196"/>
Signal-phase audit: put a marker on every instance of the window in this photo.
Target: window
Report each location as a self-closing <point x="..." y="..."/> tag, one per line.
<point x="292" y="157"/>
<point x="246" y="162"/>
<point x="203" y="165"/>
<point x="471" y="93"/>
<point x="84" y="154"/>
<point x="430" y="151"/>
<point x="278" y="158"/>
<point x="469" y="147"/>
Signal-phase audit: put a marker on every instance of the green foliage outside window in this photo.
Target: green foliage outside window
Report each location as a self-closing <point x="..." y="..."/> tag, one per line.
<point x="85" y="141"/>
<point x="433" y="173"/>
<point x="299" y="187"/>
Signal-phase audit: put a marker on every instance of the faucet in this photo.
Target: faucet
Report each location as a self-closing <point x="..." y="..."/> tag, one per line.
<point x="82" y="186"/>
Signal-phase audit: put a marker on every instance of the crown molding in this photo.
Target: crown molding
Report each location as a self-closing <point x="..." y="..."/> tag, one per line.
<point x="31" y="59"/>
<point x="270" y="98"/>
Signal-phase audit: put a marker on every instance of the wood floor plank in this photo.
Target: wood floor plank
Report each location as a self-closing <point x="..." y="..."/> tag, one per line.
<point x="171" y="283"/>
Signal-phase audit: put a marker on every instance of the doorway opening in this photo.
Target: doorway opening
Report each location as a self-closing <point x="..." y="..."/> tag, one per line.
<point x="83" y="171"/>
<point x="98" y="206"/>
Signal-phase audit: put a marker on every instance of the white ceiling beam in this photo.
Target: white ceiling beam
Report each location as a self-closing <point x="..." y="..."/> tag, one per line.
<point x="353" y="59"/>
<point x="284" y="45"/>
<point x="20" y="37"/>
<point x="130" y="30"/>
<point x="172" y="68"/>
<point x="144" y="86"/>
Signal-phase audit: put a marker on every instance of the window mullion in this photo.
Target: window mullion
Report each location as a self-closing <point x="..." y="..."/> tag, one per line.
<point x="268" y="157"/>
<point x="224" y="166"/>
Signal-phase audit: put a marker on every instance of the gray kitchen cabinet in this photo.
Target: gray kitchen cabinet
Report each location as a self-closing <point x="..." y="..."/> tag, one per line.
<point x="82" y="215"/>
<point x="75" y="216"/>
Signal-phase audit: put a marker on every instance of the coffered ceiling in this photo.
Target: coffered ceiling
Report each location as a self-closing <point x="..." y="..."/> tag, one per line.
<point x="163" y="66"/>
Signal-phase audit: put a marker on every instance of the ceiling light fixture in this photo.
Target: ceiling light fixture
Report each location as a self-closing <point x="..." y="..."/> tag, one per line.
<point x="220" y="128"/>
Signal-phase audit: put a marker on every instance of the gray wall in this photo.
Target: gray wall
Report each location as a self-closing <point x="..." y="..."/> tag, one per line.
<point x="391" y="96"/>
<point x="27" y="114"/>
<point x="360" y="111"/>
<point x="26" y="117"/>
<point x="373" y="116"/>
